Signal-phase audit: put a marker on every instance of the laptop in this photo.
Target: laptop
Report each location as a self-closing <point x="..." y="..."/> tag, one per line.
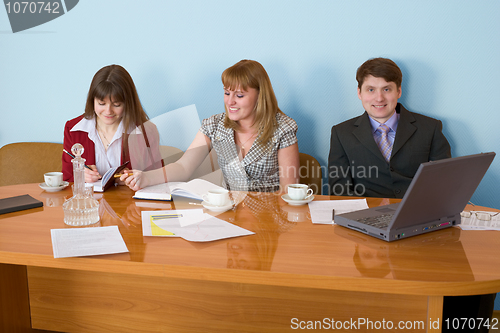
<point x="434" y="200"/>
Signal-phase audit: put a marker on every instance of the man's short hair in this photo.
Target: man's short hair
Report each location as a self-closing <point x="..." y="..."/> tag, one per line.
<point x="380" y="67"/>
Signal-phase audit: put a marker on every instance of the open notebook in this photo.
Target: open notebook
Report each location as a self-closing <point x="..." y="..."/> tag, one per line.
<point x="108" y="178"/>
<point x="193" y="189"/>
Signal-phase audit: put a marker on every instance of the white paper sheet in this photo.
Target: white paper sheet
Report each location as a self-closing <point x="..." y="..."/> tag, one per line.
<point x="209" y="229"/>
<point x="321" y="211"/>
<point x="77" y="242"/>
<point x="488" y="221"/>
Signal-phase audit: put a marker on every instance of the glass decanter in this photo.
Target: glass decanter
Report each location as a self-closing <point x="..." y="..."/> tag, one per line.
<point x="81" y="209"/>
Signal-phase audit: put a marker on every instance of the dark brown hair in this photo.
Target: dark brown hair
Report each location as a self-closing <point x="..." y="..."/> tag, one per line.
<point x="380" y="67"/>
<point x="116" y="83"/>
<point x="250" y="73"/>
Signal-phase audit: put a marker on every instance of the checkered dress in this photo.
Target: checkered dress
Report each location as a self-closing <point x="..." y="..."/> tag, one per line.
<point x="258" y="171"/>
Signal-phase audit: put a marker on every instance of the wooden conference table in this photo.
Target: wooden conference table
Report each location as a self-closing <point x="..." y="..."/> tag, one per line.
<point x="290" y="275"/>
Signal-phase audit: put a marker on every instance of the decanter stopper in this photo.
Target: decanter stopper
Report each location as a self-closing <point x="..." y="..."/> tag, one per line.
<point x="77" y="150"/>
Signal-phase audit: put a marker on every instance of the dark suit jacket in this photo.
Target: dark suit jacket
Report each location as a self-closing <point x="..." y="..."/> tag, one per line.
<point x="356" y="165"/>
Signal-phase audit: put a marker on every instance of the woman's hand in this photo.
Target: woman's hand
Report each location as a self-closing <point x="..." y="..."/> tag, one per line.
<point x="136" y="181"/>
<point x="91" y="176"/>
<point x="124" y="172"/>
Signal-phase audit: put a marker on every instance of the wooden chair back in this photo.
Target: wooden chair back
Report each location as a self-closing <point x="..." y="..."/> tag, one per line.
<point x="310" y="172"/>
<point x="26" y="162"/>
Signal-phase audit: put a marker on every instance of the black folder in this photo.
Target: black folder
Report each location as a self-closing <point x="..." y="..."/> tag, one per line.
<point x="21" y="202"/>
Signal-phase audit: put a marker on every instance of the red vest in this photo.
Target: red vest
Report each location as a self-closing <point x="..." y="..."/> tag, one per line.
<point x="70" y="138"/>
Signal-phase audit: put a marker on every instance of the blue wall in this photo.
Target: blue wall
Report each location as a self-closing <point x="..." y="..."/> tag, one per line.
<point x="449" y="52"/>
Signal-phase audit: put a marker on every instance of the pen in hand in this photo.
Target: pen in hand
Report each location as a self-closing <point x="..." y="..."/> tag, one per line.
<point x="118" y="175"/>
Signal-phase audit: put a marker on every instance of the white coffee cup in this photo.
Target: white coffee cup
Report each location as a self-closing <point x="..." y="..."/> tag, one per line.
<point x="217" y="197"/>
<point x="53" y="179"/>
<point x="299" y="191"/>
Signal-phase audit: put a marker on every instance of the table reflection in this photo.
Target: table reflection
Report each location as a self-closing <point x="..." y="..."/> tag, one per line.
<point x="376" y="258"/>
<point x="435" y="249"/>
<point x="262" y="214"/>
<point x="119" y="208"/>
<point x="54" y="199"/>
<point x="372" y="261"/>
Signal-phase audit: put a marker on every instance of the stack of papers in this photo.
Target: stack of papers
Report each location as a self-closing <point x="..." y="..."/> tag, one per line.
<point x="191" y="224"/>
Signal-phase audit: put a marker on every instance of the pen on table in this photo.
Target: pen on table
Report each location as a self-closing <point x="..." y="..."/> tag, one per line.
<point x="73" y="156"/>
<point x="118" y="175"/>
<point x="333" y="216"/>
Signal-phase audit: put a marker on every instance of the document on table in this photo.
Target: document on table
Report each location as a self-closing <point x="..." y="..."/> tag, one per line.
<point x="195" y="226"/>
<point x="76" y="242"/>
<point x="321" y="211"/>
<point x="480" y="220"/>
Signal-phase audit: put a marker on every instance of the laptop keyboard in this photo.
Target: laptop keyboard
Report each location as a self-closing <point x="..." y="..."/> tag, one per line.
<point x="381" y="221"/>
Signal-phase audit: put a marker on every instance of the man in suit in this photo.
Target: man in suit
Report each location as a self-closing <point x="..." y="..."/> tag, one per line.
<point x="356" y="164"/>
<point x="373" y="160"/>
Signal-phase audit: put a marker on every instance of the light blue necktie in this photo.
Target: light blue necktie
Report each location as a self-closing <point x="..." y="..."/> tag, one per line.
<point x="383" y="141"/>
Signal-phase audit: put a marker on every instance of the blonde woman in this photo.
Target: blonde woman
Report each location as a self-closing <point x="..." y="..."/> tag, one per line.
<point x="255" y="142"/>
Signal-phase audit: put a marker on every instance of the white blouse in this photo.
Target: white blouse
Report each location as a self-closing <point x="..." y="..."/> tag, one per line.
<point x="105" y="159"/>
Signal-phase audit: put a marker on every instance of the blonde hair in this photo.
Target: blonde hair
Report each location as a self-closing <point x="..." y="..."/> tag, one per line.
<point x="251" y="74"/>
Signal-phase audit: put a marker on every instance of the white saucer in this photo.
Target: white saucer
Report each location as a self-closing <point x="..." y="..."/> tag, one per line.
<point x="53" y="188"/>
<point x="297" y="202"/>
<point x="218" y="209"/>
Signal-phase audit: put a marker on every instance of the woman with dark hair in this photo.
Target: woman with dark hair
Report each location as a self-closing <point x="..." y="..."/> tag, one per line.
<point x="255" y="142"/>
<point x="114" y="128"/>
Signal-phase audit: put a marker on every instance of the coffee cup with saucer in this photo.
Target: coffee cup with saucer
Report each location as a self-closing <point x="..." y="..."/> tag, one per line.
<point x="53" y="179"/>
<point x="217" y="200"/>
<point x="53" y="182"/>
<point x="298" y="194"/>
